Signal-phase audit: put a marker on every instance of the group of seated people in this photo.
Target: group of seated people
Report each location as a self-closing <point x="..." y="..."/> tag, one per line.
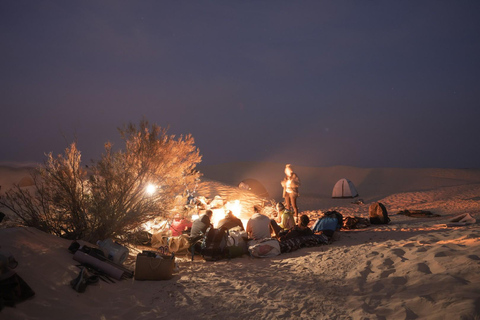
<point x="281" y="226"/>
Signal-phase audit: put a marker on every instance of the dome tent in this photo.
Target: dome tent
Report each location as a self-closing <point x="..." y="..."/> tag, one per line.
<point x="344" y="188"/>
<point x="254" y="186"/>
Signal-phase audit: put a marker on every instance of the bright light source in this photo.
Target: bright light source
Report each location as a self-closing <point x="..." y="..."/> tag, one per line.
<point x="150" y="189"/>
<point x="235" y="207"/>
<point x="217" y="215"/>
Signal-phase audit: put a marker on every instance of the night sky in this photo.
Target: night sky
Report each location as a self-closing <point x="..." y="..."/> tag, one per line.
<point x="316" y="83"/>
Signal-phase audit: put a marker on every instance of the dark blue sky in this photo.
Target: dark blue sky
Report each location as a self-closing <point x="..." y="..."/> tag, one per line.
<point x="318" y="83"/>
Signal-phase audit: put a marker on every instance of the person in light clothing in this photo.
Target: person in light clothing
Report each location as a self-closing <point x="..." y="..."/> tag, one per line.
<point x="258" y="226"/>
<point x="290" y="185"/>
<point x="285" y="217"/>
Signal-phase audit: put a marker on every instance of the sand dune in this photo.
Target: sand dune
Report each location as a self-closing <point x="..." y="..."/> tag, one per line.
<point x="413" y="268"/>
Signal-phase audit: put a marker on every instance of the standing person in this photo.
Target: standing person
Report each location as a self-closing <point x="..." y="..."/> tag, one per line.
<point x="290" y="185"/>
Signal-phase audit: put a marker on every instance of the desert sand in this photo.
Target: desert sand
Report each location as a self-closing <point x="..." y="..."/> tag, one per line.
<point x="413" y="268"/>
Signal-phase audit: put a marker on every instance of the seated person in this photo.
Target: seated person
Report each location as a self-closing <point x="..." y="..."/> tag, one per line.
<point x="179" y="225"/>
<point x="199" y="229"/>
<point x="230" y="222"/>
<point x="200" y="226"/>
<point x="258" y="226"/>
<point x="285" y="216"/>
<point x="301" y="229"/>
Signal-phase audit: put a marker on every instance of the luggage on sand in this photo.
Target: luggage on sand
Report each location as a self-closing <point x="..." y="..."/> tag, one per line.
<point x="13" y="289"/>
<point x="378" y="213"/>
<point x="214" y="244"/>
<point x="331" y="221"/>
<point x="264" y="248"/>
<point x="152" y="265"/>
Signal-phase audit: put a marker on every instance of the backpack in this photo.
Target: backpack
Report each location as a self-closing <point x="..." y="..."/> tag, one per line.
<point x="331" y="220"/>
<point x="214" y="244"/>
<point x="378" y="213"/>
<point x="236" y="244"/>
<point x="355" y="223"/>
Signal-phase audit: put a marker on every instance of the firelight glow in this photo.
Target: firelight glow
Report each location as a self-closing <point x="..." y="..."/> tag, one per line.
<point x="150" y="189"/>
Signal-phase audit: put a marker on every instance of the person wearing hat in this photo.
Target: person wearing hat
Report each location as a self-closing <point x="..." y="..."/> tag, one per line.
<point x="290" y="185"/>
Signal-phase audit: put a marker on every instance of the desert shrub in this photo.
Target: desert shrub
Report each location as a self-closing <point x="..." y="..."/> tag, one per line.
<point x="56" y="201"/>
<point x="110" y="200"/>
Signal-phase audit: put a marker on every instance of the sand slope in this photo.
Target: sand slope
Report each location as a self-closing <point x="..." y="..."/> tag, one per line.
<point x="413" y="268"/>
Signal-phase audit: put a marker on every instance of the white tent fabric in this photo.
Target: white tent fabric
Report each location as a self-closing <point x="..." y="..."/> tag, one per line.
<point x="344" y="188"/>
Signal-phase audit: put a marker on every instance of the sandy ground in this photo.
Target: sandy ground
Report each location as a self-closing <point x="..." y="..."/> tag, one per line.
<point x="413" y="268"/>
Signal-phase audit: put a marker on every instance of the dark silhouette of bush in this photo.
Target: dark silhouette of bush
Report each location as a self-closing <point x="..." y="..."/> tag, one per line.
<point x="110" y="200"/>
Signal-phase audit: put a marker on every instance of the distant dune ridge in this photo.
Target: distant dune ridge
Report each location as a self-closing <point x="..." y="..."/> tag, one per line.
<point x="413" y="268"/>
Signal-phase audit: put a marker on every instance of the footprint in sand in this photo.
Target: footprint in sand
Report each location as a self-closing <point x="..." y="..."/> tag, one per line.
<point x="422" y="267"/>
<point x="388" y="262"/>
<point x="473" y="257"/>
<point x="367" y="270"/>
<point x="386" y="273"/>
<point x="399" y="281"/>
<point x="409" y="314"/>
<point x="400" y="253"/>
<point x="428" y="298"/>
<point x="422" y="249"/>
<point x="409" y="245"/>
<point x="441" y="254"/>
<point x="460" y="280"/>
<point x="377" y="287"/>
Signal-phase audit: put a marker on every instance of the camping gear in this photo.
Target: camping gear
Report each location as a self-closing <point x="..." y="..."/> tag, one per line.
<point x="461" y="220"/>
<point x="74" y="246"/>
<point x="236" y="244"/>
<point x="264" y="248"/>
<point x="419" y="213"/>
<point x="180" y="243"/>
<point x="303" y="242"/>
<point x="355" y="223"/>
<point x="254" y="186"/>
<point x="109" y="269"/>
<point x="83" y="279"/>
<point x="331" y="220"/>
<point x="214" y="244"/>
<point x="161" y="235"/>
<point x="151" y="265"/>
<point x="7" y="261"/>
<point x="378" y="213"/>
<point x="113" y="250"/>
<point x="13" y="288"/>
<point x="344" y="188"/>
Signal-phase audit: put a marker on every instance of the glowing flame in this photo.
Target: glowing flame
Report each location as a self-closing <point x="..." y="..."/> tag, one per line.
<point x="235" y="207"/>
<point x="218" y="214"/>
<point x="150" y="189"/>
